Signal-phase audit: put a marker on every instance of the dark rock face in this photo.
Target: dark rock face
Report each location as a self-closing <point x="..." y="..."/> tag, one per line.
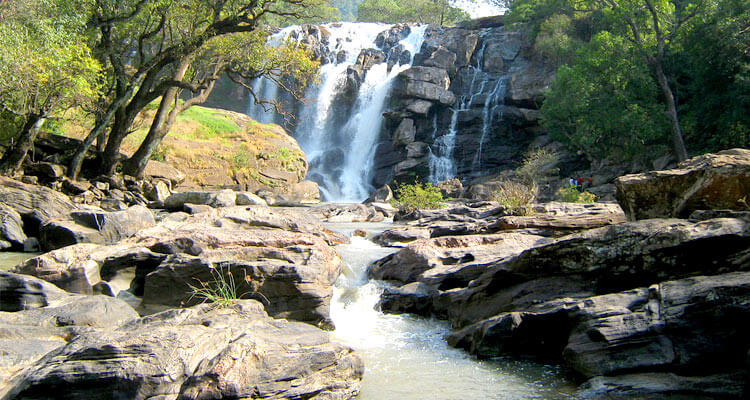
<point x="609" y="259"/>
<point x="675" y="325"/>
<point x="710" y="181"/>
<point x="475" y="82"/>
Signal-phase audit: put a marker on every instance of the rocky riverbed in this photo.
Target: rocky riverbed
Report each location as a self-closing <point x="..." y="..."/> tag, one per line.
<point x="650" y="308"/>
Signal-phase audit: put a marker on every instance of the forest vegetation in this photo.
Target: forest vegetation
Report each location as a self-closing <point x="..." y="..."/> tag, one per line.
<point x="636" y="77"/>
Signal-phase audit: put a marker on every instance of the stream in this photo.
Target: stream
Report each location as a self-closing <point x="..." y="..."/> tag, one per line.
<point x="407" y="357"/>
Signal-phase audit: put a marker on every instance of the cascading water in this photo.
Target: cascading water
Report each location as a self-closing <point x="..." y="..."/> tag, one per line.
<point x="478" y="84"/>
<point x="340" y="141"/>
<point x="491" y="103"/>
<point x="407" y="357"/>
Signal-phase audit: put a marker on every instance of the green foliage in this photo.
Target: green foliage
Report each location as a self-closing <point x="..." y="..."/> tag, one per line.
<point x="212" y="124"/>
<point x="45" y="65"/>
<point x="160" y="153"/>
<point x="605" y="103"/>
<point x="515" y="194"/>
<point x="222" y="290"/>
<point x="713" y="67"/>
<point x="412" y="197"/>
<point x="570" y="194"/>
<point x="555" y="41"/>
<point x="438" y="12"/>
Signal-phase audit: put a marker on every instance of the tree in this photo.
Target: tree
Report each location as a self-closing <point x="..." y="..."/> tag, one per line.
<point x="605" y="103"/>
<point x="652" y="25"/>
<point x="142" y="44"/>
<point x="44" y="69"/>
<point x="243" y="57"/>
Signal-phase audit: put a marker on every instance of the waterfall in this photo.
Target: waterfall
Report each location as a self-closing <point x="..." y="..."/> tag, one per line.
<point x="491" y="103"/>
<point x="479" y="88"/>
<point x="338" y="135"/>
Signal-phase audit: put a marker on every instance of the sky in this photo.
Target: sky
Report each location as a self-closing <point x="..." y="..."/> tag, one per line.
<point x="478" y="8"/>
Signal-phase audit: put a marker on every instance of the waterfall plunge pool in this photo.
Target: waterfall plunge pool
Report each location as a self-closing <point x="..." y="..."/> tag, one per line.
<point x="407" y="357"/>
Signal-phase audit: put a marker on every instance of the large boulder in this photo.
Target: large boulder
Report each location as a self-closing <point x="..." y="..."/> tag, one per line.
<point x="197" y="353"/>
<point x="38" y="317"/>
<point x="73" y="268"/>
<point x="36" y="204"/>
<point x="102" y="227"/>
<point x="710" y="181"/>
<point x="223" y="198"/>
<point x="441" y="264"/>
<point x="11" y="228"/>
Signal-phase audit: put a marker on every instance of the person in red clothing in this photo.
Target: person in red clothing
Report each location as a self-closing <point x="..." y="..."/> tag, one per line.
<point x="579" y="184"/>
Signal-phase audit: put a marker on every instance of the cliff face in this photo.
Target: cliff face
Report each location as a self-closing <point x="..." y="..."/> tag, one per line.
<point x="470" y="100"/>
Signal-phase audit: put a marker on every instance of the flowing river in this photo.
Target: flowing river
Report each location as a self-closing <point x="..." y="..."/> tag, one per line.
<point x="407" y="357"/>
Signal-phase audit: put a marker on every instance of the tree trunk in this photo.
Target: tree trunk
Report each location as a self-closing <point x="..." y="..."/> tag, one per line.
<point x="75" y="163"/>
<point x="163" y="120"/>
<point x="159" y="128"/>
<point x="16" y="154"/>
<point x="117" y="134"/>
<point x="677" y="142"/>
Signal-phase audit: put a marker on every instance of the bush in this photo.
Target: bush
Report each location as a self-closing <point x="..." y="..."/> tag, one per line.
<point x="412" y="197"/>
<point x="571" y="194"/>
<point x="537" y="165"/>
<point x="515" y="194"/>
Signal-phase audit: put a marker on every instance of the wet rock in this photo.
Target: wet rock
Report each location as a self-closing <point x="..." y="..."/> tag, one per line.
<point x="404" y="133"/>
<point x="397" y="237"/>
<point x="441" y="58"/>
<point x="421" y="107"/>
<point x="659" y="385"/>
<point x="710" y="181"/>
<point x="668" y="327"/>
<point x="236" y="351"/>
<point x="347" y="213"/>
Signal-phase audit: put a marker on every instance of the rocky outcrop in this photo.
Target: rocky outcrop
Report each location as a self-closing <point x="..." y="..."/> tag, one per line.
<point x="603" y="260"/>
<point x="665" y="327"/>
<point x="470" y="218"/>
<point x="348" y="213"/>
<point x="281" y="257"/>
<point x="710" y="181"/>
<point x="94" y="346"/>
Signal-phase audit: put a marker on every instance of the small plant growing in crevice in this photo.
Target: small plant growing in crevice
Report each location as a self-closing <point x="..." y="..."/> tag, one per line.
<point x="412" y="197"/>
<point x="223" y="290"/>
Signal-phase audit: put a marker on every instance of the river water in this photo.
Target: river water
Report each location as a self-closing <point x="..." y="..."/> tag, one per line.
<point x="407" y="357"/>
